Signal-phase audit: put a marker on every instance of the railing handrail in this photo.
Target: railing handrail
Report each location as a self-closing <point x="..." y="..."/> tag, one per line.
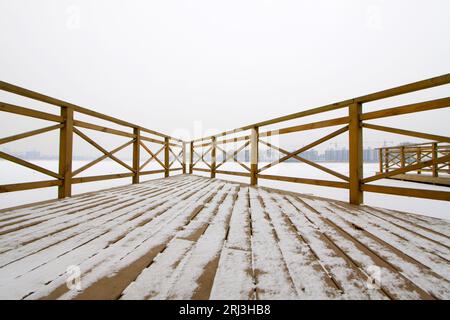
<point x="8" y="87"/>
<point x="412" y="145"/>
<point x="387" y="93"/>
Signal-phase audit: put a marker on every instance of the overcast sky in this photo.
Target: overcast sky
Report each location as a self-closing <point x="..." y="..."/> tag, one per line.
<point x="188" y="67"/>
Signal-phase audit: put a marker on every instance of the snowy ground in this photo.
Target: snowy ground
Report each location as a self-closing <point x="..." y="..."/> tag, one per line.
<point x="11" y="173"/>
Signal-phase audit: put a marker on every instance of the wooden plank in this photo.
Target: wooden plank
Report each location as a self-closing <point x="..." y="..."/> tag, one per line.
<point x="29" y="185"/>
<point x="6" y="107"/>
<point x="409" y="108"/>
<point x="407" y="133"/>
<point x="409" y="192"/>
<point x="29" y="165"/>
<point x="273" y="280"/>
<point x="29" y="133"/>
<point x="325" y="183"/>
<point x="95" y="127"/>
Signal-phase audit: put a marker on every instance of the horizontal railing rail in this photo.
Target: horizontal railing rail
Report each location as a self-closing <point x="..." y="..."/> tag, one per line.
<point x="354" y="123"/>
<point x="68" y="126"/>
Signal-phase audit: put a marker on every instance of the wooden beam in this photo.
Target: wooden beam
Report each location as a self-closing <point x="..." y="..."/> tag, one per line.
<point x="254" y="138"/>
<point x="95" y="127"/>
<point x="311" y="163"/>
<point x="153" y="155"/>
<point x="202" y="169"/>
<point x="65" y="153"/>
<point x="104" y="156"/>
<point x="136" y="154"/>
<point x="191" y="156"/>
<point x="29" y="133"/>
<point x="233" y="173"/>
<point x="151" y="172"/>
<point x="29" y="185"/>
<point x="166" y="157"/>
<point x="60" y="103"/>
<point x="184" y="157"/>
<point x="309" y="146"/>
<point x="231" y="140"/>
<point x="99" y="147"/>
<point x="308" y="126"/>
<point x="325" y="183"/>
<point x="6" y="107"/>
<point x="434" y="162"/>
<point x="409" y="192"/>
<point x="151" y="140"/>
<point x="434" y="157"/>
<point x="409" y="108"/>
<point x="411" y="87"/>
<point x="233" y="155"/>
<point x="213" y="157"/>
<point x="102" y="177"/>
<point x="355" y="154"/>
<point x="29" y="165"/>
<point x="416" y="134"/>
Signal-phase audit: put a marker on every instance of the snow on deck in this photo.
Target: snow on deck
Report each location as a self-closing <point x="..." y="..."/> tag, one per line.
<point x="190" y="237"/>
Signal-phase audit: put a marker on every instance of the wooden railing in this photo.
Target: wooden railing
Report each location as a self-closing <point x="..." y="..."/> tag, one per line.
<point x="68" y="125"/>
<point x="399" y="157"/>
<point x="355" y="121"/>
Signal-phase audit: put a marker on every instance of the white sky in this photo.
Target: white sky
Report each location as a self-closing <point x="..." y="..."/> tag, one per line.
<point x="187" y="67"/>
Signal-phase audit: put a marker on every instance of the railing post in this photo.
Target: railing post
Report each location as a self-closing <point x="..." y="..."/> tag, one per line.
<point x="191" y="157"/>
<point x="184" y="157"/>
<point x="355" y="153"/>
<point x="213" y="157"/>
<point x="402" y="156"/>
<point x="386" y="160"/>
<point x="65" y="153"/>
<point x="419" y="158"/>
<point x="380" y="159"/>
<point x="166" y="157"/>
<point x="434" y="156"/>
<point x="136" y="154"/>
<point x="254" y="156"/>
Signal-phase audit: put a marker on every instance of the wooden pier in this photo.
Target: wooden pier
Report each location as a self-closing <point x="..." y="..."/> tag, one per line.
<point x="192" y="237"/>
<point x="398" y="157"/>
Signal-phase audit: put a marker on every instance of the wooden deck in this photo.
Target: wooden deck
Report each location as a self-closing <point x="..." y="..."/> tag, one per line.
<point x="189" y="237"/>
<point x="422" y="178"/>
